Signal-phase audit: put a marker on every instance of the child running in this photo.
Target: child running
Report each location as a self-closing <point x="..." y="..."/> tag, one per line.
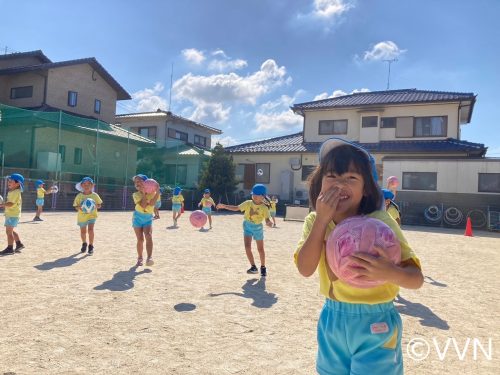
<point x="142" y="219"/>
<point x="177" y="204"/>
<point x="86" y="220"/>
<point x="13" y="206"/>
<point x="359" y="330"/>
<point x="272" y="210"/>
<point x="40" y="198"/>
<point x="256" y="211"/>
<point x="390" y="206"/>
<point x="206" y="204"/>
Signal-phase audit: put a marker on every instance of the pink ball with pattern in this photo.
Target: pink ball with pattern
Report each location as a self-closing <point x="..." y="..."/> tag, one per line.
<point x="150" y="186"/>
<point x="359" y="234"/>
<point x="198" y="218"/>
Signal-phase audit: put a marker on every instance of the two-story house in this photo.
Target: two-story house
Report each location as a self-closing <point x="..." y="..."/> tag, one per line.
<point x="185" y="144"/>
<point x="413" y="135"/>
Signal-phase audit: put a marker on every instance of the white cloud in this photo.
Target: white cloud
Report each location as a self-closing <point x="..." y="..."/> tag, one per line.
<point x="337" y="93"/>
<point x="213" y="94"/>
<point x="147" y="100"/>
<point x="386" y="50"/>
<point x="328" y="9"/>
<point x="223" y="140"/>
<point x="223" y="65"/>
<point x="193" y="56"/>
<point x="276" y="115"/>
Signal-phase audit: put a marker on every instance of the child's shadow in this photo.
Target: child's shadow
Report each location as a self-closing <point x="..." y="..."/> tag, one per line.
<point x="433" y="282"/>
<point x="256" y="290"/>
<point x="61" y="262"/>
<point x="173" y="227"/>
<point x="426" y="316"/>
<point x="122" y="280"/>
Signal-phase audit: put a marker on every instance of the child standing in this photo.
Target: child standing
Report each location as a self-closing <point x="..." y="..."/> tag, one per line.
<point x="142" y="219"/>
<point x="390" y="206"/>
<point x="157" y="207"/>
<point x="256" y="211"/>
<point x="206" y="204"/>
<point x="40" y="198"/>
<point x="13" y="206"/>
<point x="359" y="330"/>
<point x="272" y="209"/>
<point x="85" y="220"/>
<point x="177" y="204"/>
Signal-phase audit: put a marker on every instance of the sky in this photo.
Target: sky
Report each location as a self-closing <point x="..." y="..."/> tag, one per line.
<point x="238" y="66"/>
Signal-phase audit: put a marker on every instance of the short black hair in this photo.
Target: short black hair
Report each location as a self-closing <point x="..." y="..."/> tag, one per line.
<point x="339" y="161"/>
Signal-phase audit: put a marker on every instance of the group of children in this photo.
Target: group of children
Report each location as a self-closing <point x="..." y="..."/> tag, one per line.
<point x="359" y="331"/>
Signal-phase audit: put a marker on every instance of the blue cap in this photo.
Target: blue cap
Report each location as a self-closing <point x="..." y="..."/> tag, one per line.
<point x="38" y="183"/>
<point x="206" y="191"/>
<point x="143" y="177"/>
<point x="78" y="186"/>
<point x="177" y="190"/>
<point x="259" y="189"/>
<point x="18" y="178"/>
<point x="388" y="194"/>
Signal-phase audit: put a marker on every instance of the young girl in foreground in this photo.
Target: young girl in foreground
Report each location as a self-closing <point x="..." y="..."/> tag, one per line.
<point x="359" y="330"/>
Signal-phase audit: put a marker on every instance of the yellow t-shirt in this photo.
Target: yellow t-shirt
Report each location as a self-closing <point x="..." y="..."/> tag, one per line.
<point x="207" y="202"/>
<point x="177" y="199"/>
<point x="343" y="292"/>
<point x="149" y="209"/>
<point x="40" y="193"/>
<point x="82" y="216"/>
<point x="273" y="206"/>
<point x="256" y="213"/>
<point x="393" y="212"/>
<point x="14" y="196"/>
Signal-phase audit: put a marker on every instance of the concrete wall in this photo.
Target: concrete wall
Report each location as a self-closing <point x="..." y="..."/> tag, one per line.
<point x="356" y="133"/>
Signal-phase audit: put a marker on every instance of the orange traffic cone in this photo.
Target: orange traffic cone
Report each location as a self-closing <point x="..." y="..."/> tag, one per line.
<point x="468" y="228"/>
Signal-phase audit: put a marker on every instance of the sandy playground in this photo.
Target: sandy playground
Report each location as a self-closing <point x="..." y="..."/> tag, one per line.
<point x="196" y="311"/>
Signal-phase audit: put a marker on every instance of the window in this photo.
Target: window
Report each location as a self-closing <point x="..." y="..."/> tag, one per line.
<point x="239" y="172"/>
<point x="21" y="92"/>
<point x="420" y="181"/>
<point x="306" y="171"/>
<point x="176" y="174"/>
<point x="369" y="122"/>
<point x="78" y="156"/>
<point x="147" y="132"/>
<point x="388" y="122"/>
<point x="97" y="106"/>
<point x="72" y="98"/>
<point x="62" y="152"/>
<point x="262" y="174"/>
<point x="489" y="183"/>
<point x="333" y="127"/>
<point x="200" y="141"/>
<point x="172" y="133"/>
<point x="430" y="126"/>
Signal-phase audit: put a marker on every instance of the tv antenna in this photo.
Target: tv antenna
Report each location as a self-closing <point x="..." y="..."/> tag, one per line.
<point x="389" y="62"/>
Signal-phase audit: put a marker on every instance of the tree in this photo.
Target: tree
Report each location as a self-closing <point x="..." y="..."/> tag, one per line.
<point x="219" y="174"/>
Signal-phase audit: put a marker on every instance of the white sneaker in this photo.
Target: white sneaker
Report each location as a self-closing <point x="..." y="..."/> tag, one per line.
<point x="150" y="262"/>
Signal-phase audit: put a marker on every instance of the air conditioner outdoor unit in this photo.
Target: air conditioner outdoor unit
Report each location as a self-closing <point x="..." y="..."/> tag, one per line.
<point x="48" y="161"/>
<point x="295" y="163"/>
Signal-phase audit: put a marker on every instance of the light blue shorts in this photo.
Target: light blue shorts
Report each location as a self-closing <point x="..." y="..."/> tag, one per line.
<point x="207" y="210"/>
<point x="176" y="207"/>
<point x="359" y="339"/>
<point x="158" y="204"/>
<point x="82" y="224"/>
<point x="39" y="201"/>
<point x="253" y="230"/>
<point x="11" y="221"/>
<point x="272" y="213"/>
<point x="141" y="220"/>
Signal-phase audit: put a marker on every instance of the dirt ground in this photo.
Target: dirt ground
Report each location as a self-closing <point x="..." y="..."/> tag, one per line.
<point x="196" y="311"/>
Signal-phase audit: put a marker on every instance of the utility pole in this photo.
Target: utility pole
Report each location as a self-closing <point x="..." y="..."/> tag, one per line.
<point x="170" y="93"/>
<point x="389" y="62"/>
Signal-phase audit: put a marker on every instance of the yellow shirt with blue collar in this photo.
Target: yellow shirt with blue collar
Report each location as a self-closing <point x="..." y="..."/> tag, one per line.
<point x="82" y="216"/>
<point x="14" y="196"/>
<point x="207" y="202"/>
<point x="255" y="213"/>
<point x="177" y="199"/>
<point x="343" y="292"/>
<point x="137" y="197"/>
<point x="40" y="193"/>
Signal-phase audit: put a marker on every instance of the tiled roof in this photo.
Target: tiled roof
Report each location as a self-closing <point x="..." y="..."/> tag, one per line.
<point x="38" y="53"/>
<point x="404" y="96"/>
<point x="166" y="114"/>
<point x="294" y="143"/>
<point x="121" y="93"/>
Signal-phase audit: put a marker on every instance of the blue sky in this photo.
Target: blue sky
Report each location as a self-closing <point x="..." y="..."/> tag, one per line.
<point x="239" y="65"/>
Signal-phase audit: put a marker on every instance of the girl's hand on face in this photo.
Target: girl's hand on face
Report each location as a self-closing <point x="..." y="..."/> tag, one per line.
<point x="326" y="204"/>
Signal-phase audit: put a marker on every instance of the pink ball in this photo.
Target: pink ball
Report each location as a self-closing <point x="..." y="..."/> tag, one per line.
<point x="150" y="186"/>
<point x="392" y="182"/>
<point x="359" y="234"/>
<point x="198" y="218"/>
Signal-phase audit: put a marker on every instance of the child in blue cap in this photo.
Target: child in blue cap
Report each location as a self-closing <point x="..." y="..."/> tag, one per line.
<point x="206" y="204"/>
<point x="177" y="204"/>
<point x="390" y="206"/>
<point x="256" y="211"/>
<point x="13" y="206"/>
<point x="86" y="221"/>
<point x="40" y="198"/>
